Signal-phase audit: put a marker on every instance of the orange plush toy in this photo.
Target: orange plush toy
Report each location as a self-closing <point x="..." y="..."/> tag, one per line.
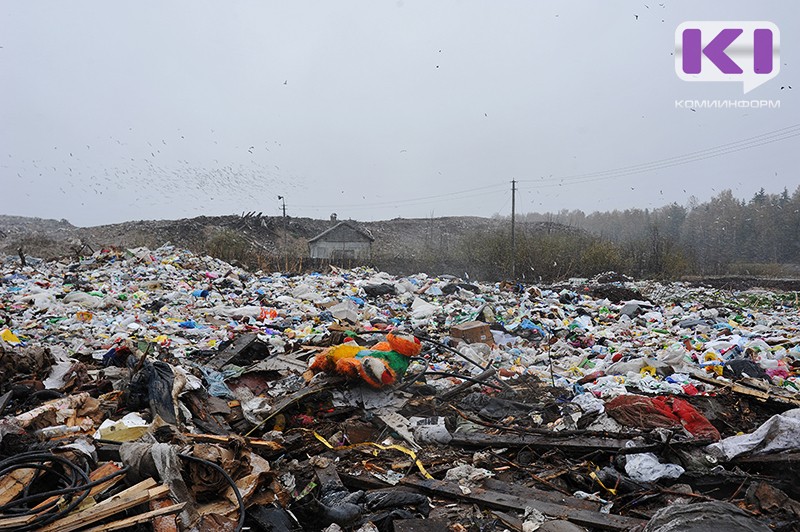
<point x="382" y="365"/>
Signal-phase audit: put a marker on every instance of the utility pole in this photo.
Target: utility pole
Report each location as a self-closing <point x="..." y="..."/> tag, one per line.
<point x="285" y="236"/>
<point x="513" y="234"/>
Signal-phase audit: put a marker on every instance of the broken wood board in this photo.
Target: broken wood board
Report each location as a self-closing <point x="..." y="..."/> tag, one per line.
<point x="256" y="443"/>
<point x="279" y="363"/>
<point x="763" y="392"/>
<point x="510" y="521"/>
<point x="541" y="495"/>
<point x="503" y="501"/>
<point x="14" y="483"/>
<point x="202" y="414"/>
<point x="452" y="392"/>
<point x="103" y="471"/>
<point x="791" y="457"/>
<point x="238" y="345"/>
<point x="136" y="519"/>
<point x="14" y="523"/>
<point x="328" y="477"/>
<point x="133" y="496"/>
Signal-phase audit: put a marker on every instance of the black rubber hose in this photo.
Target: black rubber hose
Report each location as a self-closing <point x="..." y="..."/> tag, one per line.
<point x="64" y="491"/>
<point x="34" y="461"/>
<point x="76" y="479"/>
<point x="229" y="480"/>
<point x="37" y="460"/>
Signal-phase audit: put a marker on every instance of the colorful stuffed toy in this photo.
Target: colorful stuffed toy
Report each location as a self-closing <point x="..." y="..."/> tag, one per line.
<point x="381" y="365"/>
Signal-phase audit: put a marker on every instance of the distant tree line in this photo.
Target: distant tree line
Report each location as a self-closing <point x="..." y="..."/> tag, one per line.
<point x="725" y="235"/>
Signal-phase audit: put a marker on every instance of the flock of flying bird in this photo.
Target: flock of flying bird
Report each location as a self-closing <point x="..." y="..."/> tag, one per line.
<point x="114" y="169"/>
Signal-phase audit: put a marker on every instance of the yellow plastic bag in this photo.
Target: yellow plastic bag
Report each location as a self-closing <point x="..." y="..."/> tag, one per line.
<point x="10" y="337"/>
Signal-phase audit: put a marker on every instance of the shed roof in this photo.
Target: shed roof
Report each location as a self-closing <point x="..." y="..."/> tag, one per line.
<point x="366" y="234"/>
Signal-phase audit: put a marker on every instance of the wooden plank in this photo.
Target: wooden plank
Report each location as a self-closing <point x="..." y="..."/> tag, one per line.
<point x="136" y="519"/>
<point x="756" y="393"/>
<point x="583" y="444"/>
<point x="254" y="442"/>
<point x="202" y="415"/>
<point x="452" y="392"/>
<point x="555" y="473"/>
<point x="146" y="484"/>
<point x="102" y="471"/>
<point x="125" y="500"/>
<point x="786" y="458"/>
<point x="766" y="396"/>
<point x="133" y="496"/>
<point x="502" y="501"/>
<point x="328" y="477"/>
<point x="13" y="523"/>
<point x="532" y="493"/>
<point x="238" y="345"/>
<point x="510" y="521"/>
<point x="13" y="483"/>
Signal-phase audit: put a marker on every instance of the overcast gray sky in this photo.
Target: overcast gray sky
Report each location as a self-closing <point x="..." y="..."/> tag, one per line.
<point x="118" y="111"/>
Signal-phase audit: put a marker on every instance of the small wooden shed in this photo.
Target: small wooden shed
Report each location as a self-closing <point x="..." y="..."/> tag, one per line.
<point x="345" y="240"/>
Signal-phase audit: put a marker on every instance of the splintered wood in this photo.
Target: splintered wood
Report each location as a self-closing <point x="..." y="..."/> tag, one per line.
<point x="90" y="512"/>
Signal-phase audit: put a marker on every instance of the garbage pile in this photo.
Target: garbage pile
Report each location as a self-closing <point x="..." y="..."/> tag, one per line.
<point x="157" y="389"/>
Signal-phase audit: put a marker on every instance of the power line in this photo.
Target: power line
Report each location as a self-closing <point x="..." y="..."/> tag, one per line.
<point x="723" y="149"/>
<point x="505" y="203"/>
<point x="589" y="178"/>
<point x="715" y="151"/>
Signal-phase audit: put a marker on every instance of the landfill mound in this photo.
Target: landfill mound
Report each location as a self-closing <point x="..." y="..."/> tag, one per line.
<point x="162" y="390"/>
<point x="396" y="241"/>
